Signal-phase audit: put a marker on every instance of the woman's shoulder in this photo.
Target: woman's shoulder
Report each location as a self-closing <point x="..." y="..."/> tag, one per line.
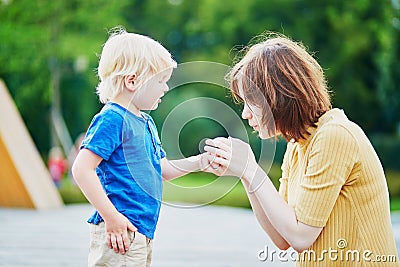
<point x="339" y="132"/>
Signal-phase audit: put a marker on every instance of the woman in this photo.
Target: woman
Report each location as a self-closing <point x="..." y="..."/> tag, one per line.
<point x="333" y="195"/>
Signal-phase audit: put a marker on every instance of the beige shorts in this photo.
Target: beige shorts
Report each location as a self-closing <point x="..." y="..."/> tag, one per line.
<point x="138" y="255"/>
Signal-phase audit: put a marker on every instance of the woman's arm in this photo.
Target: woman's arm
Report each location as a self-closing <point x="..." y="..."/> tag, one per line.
<point x="263" y="220"/>
<point x="281" y="215"/>
<point x="84" y="172"/>
<point x="236" y="158"/>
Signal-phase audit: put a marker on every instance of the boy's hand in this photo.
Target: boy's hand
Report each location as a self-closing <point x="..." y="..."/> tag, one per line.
<point x="117" y="228"/>
<point x="205" y="164"/>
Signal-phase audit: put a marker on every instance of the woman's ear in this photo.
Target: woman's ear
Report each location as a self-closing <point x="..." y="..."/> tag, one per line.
<point x="129" y="81"/>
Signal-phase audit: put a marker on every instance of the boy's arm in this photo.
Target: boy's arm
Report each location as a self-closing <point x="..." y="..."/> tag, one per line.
<point x="84" y="172"/>
<point x="172" y="169"/>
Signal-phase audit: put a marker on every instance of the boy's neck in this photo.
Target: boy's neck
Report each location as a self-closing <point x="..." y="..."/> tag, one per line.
<point x="128" y="105"/>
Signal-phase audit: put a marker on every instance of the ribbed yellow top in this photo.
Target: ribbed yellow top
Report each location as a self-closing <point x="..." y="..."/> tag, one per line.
<point x="334" y="180"/>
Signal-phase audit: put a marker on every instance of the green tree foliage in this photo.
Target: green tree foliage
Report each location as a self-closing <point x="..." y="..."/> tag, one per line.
<point x="356" y="43"/>
<point x="40" y="38"/>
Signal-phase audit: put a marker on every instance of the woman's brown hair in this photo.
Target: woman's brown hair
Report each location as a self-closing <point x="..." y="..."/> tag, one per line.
<point x="280" y="76"/>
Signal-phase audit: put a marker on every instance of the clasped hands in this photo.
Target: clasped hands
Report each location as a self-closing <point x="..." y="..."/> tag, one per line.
<point x="229" y="157"/>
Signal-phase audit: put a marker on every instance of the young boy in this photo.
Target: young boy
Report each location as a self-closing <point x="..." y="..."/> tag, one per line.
<point x="121" y="163"/>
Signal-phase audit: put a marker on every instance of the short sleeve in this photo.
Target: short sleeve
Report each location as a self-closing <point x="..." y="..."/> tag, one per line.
<point x="104" y="134"/>
<point x="334" y="151"/>
<point x="283" y="181"/>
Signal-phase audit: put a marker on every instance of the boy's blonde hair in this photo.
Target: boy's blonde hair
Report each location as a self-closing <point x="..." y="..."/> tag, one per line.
<point x="127" y="54"/>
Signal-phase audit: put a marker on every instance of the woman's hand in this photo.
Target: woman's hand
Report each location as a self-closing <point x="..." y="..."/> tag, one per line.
<point x="230" y="157"/>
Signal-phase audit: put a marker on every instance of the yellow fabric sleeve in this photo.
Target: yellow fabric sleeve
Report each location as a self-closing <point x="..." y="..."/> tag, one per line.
<point x="283" y="181"/>
<point x="330" y="162"/>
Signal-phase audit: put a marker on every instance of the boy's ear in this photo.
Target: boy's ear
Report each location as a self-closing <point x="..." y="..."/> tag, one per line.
<point x="129" y="81"/>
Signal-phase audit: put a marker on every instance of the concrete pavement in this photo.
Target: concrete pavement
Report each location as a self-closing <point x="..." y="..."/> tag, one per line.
<point x="205" y="236"/>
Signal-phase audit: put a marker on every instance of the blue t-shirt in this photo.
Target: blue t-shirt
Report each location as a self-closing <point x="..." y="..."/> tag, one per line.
<point x="130" y="171"/>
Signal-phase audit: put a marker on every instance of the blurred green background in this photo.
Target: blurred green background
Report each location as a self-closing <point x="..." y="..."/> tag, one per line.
<point x="49" y="52"/>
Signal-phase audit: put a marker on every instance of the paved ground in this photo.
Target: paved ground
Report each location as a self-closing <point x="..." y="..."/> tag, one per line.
<point x="207" y="236"/>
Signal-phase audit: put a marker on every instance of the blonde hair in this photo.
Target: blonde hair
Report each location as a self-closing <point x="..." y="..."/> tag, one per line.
<point x="280" y="73"/>
<point x="126" y="54"/>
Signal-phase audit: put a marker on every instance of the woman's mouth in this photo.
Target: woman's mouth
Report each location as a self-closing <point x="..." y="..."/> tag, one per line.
<point x="255" y="127"/>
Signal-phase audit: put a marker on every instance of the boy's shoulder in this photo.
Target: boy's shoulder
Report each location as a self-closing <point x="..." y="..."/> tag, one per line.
<point x="110" y="115"/>
<point x="112" y="109"/>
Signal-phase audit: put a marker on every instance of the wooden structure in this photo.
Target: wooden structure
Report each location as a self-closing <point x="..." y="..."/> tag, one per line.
<point x="24" y="179"/>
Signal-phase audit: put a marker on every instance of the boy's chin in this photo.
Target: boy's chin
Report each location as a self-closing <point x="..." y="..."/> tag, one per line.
<point x="154" y="107"/>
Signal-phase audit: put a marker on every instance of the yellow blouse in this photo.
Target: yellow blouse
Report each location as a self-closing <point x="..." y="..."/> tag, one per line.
<point x="334" y="180"/>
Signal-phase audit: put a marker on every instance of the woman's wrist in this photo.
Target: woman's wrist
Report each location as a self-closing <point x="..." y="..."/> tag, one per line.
<point x="255" y="177"/>
<point x="250" y="172"/>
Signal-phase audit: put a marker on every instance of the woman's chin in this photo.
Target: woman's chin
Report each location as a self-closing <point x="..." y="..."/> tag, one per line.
<point x="265" y="135"/>
<point x="262" y="136"/>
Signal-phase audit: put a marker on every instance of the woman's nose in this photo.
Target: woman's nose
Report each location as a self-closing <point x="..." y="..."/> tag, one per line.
<point x="246" y="113"/>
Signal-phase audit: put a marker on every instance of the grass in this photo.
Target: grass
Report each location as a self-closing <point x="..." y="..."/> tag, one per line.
<point x="393" y="180"/>
<point x="198" y="188"/>
<point x="395" y="204"/>
<point x="204" y="188"/>
<point x="70" y="192"/>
